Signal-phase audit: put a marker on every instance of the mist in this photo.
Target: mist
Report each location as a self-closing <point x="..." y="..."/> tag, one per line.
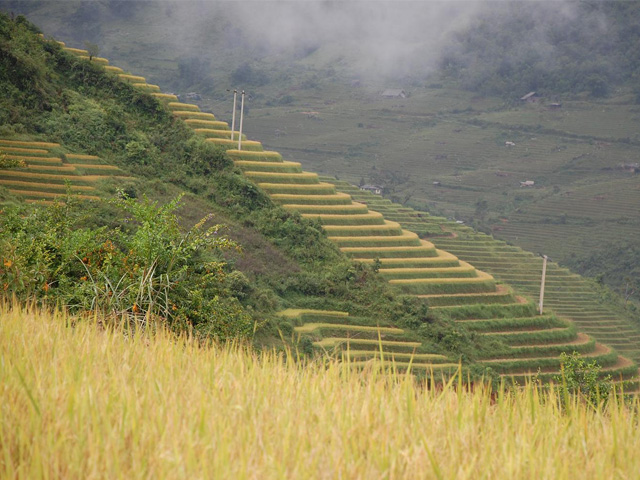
<point x="369" y="40"/>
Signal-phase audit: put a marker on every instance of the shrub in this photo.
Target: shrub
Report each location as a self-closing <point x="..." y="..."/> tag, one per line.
<point x="582" y="379"/>
<point x="148" y="270"/>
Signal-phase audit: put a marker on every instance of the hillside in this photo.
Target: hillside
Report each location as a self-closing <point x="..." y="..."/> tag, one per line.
<point x="312" y="100"/>
<point x="473" y="317"/>
<point x="68" y="116"/>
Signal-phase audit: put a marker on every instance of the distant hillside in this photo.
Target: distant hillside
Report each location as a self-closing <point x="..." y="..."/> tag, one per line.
<point x="551" y="47"/>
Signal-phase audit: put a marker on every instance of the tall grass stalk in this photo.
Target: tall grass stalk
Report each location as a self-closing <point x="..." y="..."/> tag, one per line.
<point x="78" y="400"/>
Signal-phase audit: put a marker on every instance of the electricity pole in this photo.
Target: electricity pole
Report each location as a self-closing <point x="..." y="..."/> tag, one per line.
<point x="544" y="274"/>
<point x="241" y="117"/>
<point x="233" y="116"/>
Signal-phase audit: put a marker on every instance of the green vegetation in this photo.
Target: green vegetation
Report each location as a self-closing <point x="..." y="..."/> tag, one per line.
<point x="94" y="122"/>
<point x="148" y="271"/>
<point x="312" y="273"/>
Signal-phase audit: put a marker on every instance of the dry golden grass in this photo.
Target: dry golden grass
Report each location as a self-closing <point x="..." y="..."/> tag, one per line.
<point x="48" y="160"/>
<point x="80" y="156"/>
<point x="81" y="402"/>
<point x="50" y="186"/>
<point x="147" y="87"/>
<point x="165" y="96"/>
<point x="112" y="69"/>
<point x="76" y="51"/>
<point x="41" y="194"/>
<point x="32" y="151"/>
<point x="21" y="143"/>
<point x="183" y="106"/>
<point x="131" y="78"/>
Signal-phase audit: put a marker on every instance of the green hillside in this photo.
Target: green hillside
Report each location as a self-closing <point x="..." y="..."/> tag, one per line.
<point x="352" y="307"/>
<point x="312" y="103"/>
<point x="88" y="132"/>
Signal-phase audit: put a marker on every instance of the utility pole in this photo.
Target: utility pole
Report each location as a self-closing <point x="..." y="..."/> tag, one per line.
<point x="233" y="117"/>
<point x="544" y="274"/>
<point x="241" y="118"/>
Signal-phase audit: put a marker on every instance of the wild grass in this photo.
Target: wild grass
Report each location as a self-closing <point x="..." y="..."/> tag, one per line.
<point x="79" y="400"/>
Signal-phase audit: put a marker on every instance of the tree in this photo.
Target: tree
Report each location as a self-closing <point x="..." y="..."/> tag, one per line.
<point x="92" y="48"/>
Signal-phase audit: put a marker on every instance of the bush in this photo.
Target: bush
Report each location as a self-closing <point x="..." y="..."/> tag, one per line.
<point x="583" y="379"/>
<point x="147" y="270"/>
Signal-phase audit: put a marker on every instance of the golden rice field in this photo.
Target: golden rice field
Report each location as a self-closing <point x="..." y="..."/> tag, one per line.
<point x="78" y="401"/>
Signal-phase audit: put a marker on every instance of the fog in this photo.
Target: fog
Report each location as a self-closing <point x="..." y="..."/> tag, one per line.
<point x="368" y="39"/>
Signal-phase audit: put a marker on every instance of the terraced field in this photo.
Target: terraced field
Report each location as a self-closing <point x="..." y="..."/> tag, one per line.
<point x="48" y="172"/>
<point x="525" y="343"/>
<point x="580" y="219"/>
<point x="361" y="340"/>
<point x="569" y="296"/>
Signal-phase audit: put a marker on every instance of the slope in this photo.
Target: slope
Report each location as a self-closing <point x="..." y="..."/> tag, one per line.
<point x="426" y="273"/>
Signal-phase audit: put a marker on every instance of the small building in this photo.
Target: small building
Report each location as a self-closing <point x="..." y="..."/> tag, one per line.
<point x="555" y="106"/>
<point x="394" y="93"/>
<point x="530" y="97"/>
<point x="375" y="189"/>
<point x="527" y="183"/>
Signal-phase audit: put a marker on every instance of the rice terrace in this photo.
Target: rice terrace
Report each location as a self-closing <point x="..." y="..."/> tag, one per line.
<point x="359" y="243"/>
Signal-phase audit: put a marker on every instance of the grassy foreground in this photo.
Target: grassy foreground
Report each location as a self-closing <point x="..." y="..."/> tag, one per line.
<point x="81" y="401"/>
